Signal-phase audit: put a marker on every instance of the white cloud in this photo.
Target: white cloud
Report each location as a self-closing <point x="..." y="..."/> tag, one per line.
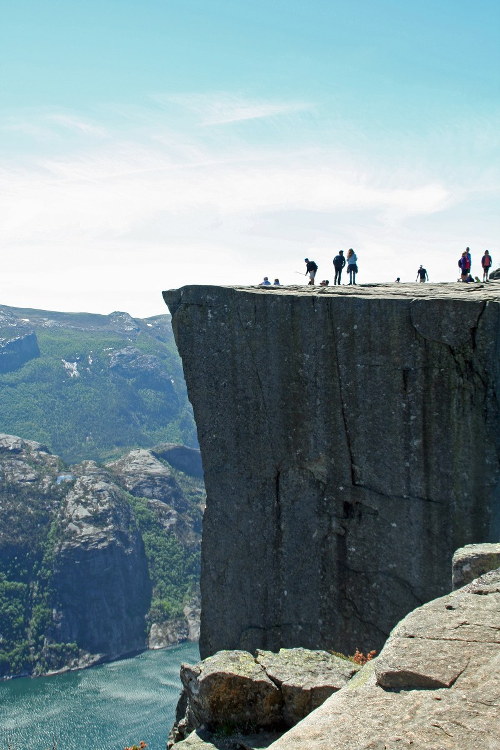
<point x="152" y="208"/>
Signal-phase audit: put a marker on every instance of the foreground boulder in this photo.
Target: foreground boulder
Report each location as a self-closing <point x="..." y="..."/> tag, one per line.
<point x="236" y="692"/>
<point x="435" y="685"/>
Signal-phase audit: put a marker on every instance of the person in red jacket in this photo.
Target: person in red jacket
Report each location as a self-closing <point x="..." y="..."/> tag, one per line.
<point x="464" y="265"/>
<point x="486" y="262"/>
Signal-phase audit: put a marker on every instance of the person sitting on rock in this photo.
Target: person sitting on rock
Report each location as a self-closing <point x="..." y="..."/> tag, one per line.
<point x="265" y="282"/>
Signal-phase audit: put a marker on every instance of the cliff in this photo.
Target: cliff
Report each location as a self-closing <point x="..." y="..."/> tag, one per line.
<point x="350" y="442"/>
<point x="96" y="562"/>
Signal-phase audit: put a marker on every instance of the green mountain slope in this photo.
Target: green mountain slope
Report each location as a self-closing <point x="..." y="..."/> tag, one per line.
<point x="96" y="561"/>
<point x="91" y="386"/>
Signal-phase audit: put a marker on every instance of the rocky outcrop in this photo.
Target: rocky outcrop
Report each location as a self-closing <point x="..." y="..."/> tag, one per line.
<point x="436" y="683"/>
<point x="144" y="476"/>
<point x="16" y="351"/>
<point x="233" y="692"/>
<point x="472" y="561"/>
<point x="350" y="444"/>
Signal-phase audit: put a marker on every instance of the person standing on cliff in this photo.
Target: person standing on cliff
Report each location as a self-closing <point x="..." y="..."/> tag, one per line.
<point x="352" y="265"/>
<point x="486" y="263"/>
<point x="469" y="257"/>
<point x="464" y="265"/>
<point x="311" y="269"/>
<point x="422" y="275"/>
<point x="338" y="264"/>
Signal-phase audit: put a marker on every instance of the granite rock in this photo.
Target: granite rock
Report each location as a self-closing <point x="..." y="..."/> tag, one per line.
<point x="435" y="685"/>
<point x="350" y="442"/>
<point x="472" y="561"/>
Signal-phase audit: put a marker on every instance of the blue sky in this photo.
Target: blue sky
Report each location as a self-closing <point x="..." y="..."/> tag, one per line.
<point x="149" y="145"/>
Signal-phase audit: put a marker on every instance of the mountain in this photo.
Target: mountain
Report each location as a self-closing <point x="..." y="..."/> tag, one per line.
<point x="96" y="561"/>
<point x="91" y="386"/>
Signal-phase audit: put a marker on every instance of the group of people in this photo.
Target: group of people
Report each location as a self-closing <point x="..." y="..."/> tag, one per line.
<point x="339" y="263"/>
<point x="351" y="261"/>
<point x="465" y="265"/>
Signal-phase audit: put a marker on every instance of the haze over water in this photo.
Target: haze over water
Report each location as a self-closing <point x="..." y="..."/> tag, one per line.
<point x="102" y="708"/>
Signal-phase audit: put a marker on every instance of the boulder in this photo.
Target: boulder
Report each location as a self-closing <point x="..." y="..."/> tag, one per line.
<point x="472" y="561"/>
<point x="306" y="678"/>
<point x="234" y="691"/>
<point x="230" y="689"/>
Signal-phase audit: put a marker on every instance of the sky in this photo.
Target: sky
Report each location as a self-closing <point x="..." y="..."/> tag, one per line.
<point x="148" y="145"/>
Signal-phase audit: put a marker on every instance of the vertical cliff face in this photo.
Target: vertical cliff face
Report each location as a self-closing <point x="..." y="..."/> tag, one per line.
<point x="350" y="441"/>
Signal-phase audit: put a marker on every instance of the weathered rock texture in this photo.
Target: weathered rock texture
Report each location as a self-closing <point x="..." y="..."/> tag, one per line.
<point x="435" y="685"/>
<point x="350" y="442"/>
<point x="472" y="561"/>
<point x="235" y="691"/>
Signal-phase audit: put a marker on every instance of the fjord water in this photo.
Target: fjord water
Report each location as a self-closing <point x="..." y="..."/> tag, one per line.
<point x="101" y="708"/>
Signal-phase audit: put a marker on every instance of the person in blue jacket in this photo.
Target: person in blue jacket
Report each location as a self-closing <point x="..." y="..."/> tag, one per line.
<point x="352" y="265"/>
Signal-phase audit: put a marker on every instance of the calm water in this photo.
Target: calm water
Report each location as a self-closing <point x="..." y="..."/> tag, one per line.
<point x="102" y="708"/>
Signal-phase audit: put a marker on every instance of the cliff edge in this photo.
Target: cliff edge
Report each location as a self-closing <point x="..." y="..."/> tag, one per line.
<point x="350" y="442"/>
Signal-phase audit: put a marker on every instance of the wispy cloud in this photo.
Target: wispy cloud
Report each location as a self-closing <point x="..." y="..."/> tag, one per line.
<point x="224" y="108"/>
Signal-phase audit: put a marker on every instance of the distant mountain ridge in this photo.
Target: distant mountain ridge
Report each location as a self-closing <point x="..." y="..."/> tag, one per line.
<point x="91" y="386"/>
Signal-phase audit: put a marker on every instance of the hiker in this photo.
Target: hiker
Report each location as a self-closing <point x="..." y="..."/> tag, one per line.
<point x="276" y="282"/>
<point x="397" y="280"/>
<point x="422" y="275"/>
<point x="352" y="265"/>
<point x="486" y="262"/>
<point x="469" y="257"/>
<point x="265" y="282"/>
<point x="338" y="263"/>
<point x="464" y="265"/>
<point x="311" y="269"/>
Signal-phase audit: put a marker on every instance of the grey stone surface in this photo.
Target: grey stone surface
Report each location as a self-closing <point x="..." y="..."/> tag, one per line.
<point x="349" y="439"/>
<point x="233" y="692"/>
<point x="230" y="689"/>
<point x="205" y="740"/>
<point x="435" y="685"/>
<point x="305" y="678"/>
<point x="472" y="561"/>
